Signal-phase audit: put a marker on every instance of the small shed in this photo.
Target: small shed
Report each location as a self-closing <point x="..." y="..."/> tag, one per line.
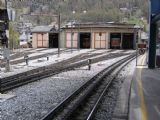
<point x="44" y="37"/>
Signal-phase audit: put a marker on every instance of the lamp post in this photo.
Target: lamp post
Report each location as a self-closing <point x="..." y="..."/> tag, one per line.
<point x="74" y="12"/>
<point x="136" y="45"/>
<point x="6" y="52"/>
<point x="59" y="25"/>
<point x="6" y="23"/>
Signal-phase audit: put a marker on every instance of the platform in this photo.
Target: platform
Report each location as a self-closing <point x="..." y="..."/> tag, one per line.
<point x="145" y="94"/>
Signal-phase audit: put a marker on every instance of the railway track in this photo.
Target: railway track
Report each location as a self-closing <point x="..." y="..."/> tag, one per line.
<point x="15" y="55"/>
<point x="30" y="58"/>
<point x="29" y="52"/>
<point x="82" y="103"/>
<point x="20" y="79"/>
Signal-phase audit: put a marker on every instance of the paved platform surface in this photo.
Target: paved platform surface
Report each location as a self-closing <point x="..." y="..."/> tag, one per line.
<point x="145" y="94"/>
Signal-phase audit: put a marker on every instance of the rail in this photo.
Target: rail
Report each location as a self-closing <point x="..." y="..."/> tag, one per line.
<point x="67" y="108"/>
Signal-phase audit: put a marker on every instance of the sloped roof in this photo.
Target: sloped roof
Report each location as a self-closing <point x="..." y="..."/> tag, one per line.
<point x="100" y="25"/>
<point x="43" y="29"/>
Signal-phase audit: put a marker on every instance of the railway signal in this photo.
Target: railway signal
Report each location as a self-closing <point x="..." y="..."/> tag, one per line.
<point x="141" y="51"/>
<point x="26" y="58"/>
<point x="89" y="64"/>
<point x="141" y="48"/>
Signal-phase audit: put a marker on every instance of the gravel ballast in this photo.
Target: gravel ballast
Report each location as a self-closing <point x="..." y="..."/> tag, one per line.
<point x="111" y="108"/>
<point x="35" y="100"/>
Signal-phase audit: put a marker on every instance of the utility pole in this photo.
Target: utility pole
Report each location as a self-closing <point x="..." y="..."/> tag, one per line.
<point x="79" y="36"/>
<point x="6" y="24"/>
<point x="71" y="37"/>
<point x="59" y="27"/>
<point x="78" y="42"/>
<point x="6" y="52"/>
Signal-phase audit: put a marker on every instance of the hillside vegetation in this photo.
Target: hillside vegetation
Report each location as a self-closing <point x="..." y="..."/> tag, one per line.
<point x="96" y="10"/>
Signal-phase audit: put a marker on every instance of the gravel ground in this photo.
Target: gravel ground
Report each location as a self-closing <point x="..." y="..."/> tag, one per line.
<point x="109" y="101"/>
<point x="33" y="101"/>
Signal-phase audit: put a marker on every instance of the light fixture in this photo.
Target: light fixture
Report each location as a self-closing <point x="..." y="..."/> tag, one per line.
<point x="84" y="11"/>
<point x="73" y="12"/>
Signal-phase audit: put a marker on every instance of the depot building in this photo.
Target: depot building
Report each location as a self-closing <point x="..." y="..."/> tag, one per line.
<point x="89" y="35"/>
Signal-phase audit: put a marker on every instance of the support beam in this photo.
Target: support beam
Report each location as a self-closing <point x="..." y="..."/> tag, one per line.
<point x="152" y="47"/>
<point x="154" y="6"/>
<point x="121" y="41"/>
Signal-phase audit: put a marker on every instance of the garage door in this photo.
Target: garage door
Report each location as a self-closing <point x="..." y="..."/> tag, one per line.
<point x="100" y="40"/>
<point x="42" y="41"/>
<point x="68" y="40"/>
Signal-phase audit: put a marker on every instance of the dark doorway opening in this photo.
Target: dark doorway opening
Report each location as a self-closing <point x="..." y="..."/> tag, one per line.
<point x="128" y="39"/>
<point x="115" y="40"/>
<point x="53" y="40"/>
<point x="85" y="40"/>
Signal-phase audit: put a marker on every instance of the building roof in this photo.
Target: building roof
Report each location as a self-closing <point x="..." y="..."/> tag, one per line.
<point x="43" y="29"/>
<point x="100" y="25"/>
<point x="106" y="23"/>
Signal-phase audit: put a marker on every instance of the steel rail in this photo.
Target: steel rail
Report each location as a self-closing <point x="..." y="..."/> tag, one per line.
<point x="71" y="101"/>
<point x="90" y="116"/>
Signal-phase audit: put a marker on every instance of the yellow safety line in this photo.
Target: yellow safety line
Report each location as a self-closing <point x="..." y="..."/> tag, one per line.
<point x="140" y="91"/>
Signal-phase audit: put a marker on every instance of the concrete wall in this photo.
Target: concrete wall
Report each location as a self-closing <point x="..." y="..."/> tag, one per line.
<point x="62" y="39"/>
<point x="34" y="40"/>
